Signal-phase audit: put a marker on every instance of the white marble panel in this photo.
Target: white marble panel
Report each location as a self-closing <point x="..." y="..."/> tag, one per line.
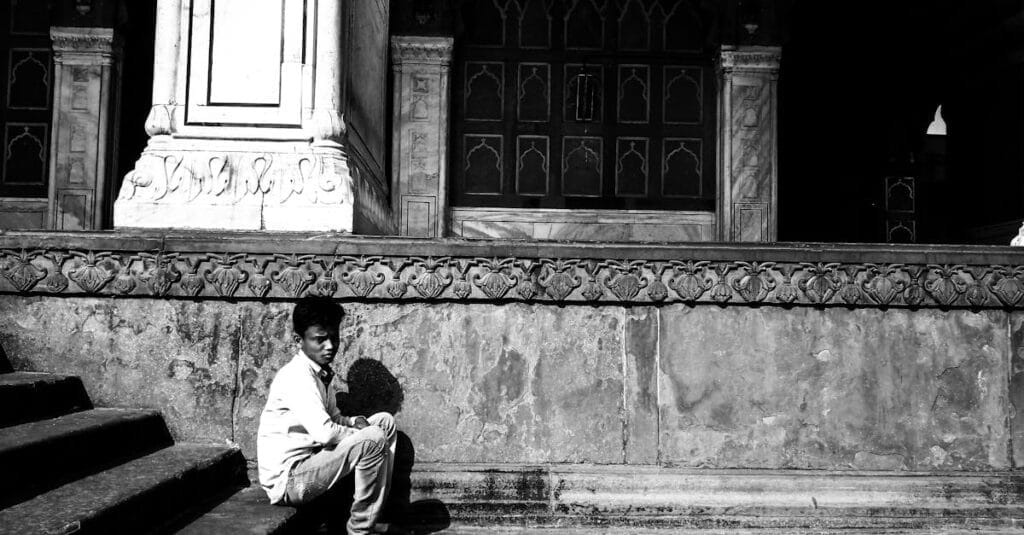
<point x="245" y="65"/>
<point x="245" y="62"/>
<point x="164" y="215"/>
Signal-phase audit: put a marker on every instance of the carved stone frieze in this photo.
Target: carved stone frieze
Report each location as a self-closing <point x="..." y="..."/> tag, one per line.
<point x="231" y="177"/>
<point x="191" y="273"/>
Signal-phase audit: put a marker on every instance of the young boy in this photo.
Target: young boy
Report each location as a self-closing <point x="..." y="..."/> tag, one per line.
<point x="304" y="445"/>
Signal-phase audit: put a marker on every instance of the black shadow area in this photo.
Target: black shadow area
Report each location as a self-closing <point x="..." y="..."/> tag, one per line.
<point x="5" y="364"/>
<point x="372" y="388"/>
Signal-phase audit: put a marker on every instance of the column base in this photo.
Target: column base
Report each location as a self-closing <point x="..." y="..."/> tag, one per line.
<point x="278" y="186"/>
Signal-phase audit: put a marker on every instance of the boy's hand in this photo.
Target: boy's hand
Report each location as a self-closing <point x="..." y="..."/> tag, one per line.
<point x="358" y="422"/>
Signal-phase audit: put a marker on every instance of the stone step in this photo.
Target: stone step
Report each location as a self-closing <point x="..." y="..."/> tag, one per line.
<point x="44" y="454"/>
<point x="247" y="512"/>
<point x="581" y="496"/>
<point x="28" y="396"/>
<point x="132" y="497"/>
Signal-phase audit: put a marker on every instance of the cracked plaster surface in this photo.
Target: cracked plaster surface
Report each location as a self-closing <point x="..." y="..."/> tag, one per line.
<point x="834" y="389"/>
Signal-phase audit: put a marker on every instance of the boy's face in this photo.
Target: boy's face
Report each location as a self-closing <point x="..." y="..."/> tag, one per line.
<point x="319" y="343"/>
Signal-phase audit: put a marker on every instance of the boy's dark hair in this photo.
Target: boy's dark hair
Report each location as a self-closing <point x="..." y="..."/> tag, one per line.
<point x="320" y="311"/>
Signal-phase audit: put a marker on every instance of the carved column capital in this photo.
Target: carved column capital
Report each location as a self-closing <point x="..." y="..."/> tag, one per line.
<point x="421" y="49"/>
<point x="760" y="59"/>
<point x="85" y="45"/>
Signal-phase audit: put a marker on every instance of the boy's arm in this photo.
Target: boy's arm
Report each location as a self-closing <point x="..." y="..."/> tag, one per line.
<point x="305" y="400"/>
<point x="357" y="422"/>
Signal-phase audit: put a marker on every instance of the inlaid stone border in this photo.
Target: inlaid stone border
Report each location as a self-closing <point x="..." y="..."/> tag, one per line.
<point x="219" y="265"/>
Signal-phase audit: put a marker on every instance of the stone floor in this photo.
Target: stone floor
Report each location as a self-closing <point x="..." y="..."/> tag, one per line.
<point x="504" y="530"/>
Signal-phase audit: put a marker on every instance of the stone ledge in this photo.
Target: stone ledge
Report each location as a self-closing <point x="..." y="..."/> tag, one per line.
<point x="279" y="265"/>
<point x="624" y="495"/>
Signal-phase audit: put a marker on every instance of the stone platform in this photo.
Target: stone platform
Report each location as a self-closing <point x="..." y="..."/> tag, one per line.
<point x="807" y="367"/>
<point x="577" y="496"/>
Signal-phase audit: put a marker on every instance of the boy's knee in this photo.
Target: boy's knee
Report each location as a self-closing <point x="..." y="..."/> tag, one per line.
<point x="385" y="421"/>
<point x="374" y="435"/>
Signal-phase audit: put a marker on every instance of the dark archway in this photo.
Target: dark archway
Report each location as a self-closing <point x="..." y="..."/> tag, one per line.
<point x="859" y="85"/>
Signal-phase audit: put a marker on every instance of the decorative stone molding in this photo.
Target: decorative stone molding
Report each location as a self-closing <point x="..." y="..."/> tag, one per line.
<point x="284" y="266"/>
<point x="328" y="127"/>
<point x="229" y="176"/>
<point x="160" y="120"/>
<point x="420" y="49"/>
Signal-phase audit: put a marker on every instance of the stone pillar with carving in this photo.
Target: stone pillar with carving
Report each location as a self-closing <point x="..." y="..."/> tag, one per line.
<point x="247" y="129"/>
<point x="420" y="144"/>
<point x="747" y="143"/>
<point x="86" y="99"/>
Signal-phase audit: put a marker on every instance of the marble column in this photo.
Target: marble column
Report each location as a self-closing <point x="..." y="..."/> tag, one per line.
<point x="247" y="129"/>
<point x="747" y="143"/>
<point x="87" y="83"/>
<point x="420" y="140"/>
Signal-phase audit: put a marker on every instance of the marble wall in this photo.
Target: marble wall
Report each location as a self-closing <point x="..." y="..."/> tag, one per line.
<point x="676" y="385"/>
<point x="583" y="225"/>
<point x="23" y="213"/>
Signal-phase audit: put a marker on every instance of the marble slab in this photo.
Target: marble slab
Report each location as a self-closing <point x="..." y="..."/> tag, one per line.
<point x="584" y="225"/>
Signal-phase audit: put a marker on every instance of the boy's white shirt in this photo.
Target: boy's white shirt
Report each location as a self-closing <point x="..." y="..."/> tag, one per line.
<point x="300" y="418"/>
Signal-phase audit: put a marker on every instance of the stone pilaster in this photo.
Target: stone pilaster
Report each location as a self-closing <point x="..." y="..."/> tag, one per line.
<point x="247" y="128"/>
<point x="420" y="143"/>
<point x="747" y="138"/>
<point x="87" y="82"/>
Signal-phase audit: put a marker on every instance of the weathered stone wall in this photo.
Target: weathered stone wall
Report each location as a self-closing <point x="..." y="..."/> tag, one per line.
<point x="517" y="382"/>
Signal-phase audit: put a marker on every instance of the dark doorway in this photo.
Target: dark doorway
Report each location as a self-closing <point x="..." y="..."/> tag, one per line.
<point x="860" y="85"/>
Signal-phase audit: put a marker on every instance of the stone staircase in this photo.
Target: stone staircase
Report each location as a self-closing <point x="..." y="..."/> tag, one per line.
<point x="72" y="468"/>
